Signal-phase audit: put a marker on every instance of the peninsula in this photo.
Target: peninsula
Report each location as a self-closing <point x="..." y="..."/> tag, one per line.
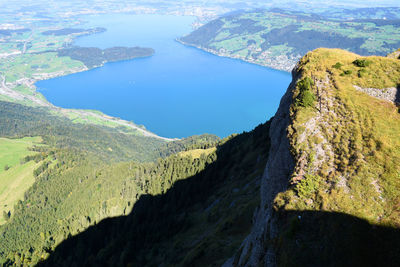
<point x="94" y="57"/>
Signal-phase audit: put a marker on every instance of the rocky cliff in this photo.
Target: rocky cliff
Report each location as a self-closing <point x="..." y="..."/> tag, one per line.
<point x="330" y="191"/>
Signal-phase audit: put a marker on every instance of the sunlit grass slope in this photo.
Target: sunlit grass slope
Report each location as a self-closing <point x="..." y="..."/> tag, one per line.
<point x="346" y="143"/>
<point x="15" y="178"/>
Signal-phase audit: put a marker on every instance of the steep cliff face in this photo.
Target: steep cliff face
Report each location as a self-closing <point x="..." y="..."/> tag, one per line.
<point x="330" y="191"/>
<point x="274" y="180"/>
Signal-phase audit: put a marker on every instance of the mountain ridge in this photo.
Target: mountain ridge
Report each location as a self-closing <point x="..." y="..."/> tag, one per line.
<point x="308" y="171"/>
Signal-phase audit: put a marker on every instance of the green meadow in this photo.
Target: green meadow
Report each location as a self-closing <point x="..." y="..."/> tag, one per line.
<point x="15" y="178"/>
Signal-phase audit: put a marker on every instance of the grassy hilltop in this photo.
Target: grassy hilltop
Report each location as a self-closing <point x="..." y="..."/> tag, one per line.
<point x="346" y="141"/>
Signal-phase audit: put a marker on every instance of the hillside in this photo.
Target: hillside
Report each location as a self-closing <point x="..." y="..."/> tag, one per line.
<point x="330" y="191"/>
<point x="199" y="221"/>
<point x="72" y="175"/>
<point x="111" y="143"/>
<point x="80" y="191"/>
<point x="279" y="38"/>
<point x="15" y="177"/>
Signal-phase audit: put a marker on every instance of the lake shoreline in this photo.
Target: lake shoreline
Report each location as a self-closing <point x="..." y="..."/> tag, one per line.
<point x="83" y="113"/>
<point x="173" y="66"/>
<point x="215" y="52"/>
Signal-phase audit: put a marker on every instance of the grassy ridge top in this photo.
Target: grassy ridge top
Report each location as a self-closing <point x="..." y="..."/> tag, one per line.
<point x="379" y="72"/>
<point x="346" y="143"/>
<point x="346" y="146"/>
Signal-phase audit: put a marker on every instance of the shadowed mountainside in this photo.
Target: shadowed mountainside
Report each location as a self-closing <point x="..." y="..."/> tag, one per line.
<point x="200" y="221"/>
<point x="319" y="238"/>
<point x="307" y="219"/>
<point x="306" y="238"/>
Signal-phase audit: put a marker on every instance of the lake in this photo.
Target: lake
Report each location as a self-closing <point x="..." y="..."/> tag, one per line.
<point x="178" y="92"/>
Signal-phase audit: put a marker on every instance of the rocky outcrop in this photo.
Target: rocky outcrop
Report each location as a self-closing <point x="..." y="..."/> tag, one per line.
<point x="389" y="94"/>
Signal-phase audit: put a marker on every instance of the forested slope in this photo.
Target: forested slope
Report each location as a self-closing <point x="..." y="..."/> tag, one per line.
<point x="107" y="143"/>
<point x="199" y="220"/>
<point x="83" y="174"/>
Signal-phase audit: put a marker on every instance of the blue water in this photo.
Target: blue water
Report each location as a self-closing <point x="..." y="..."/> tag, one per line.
<point x="178" y="92"/>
